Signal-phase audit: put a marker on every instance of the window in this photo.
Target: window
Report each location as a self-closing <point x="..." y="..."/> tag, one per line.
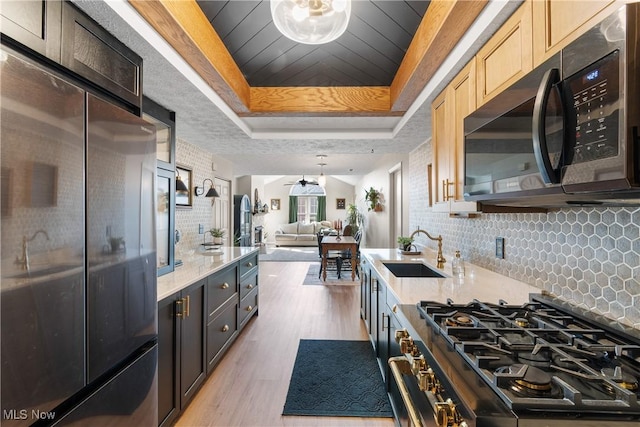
<point x="307" y="209"/>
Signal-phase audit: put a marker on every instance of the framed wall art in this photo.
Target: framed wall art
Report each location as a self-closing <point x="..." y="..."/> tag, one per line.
<point x="275" y="204"/>
<point x="183" y="197"/>
<point x="340" y="203"/>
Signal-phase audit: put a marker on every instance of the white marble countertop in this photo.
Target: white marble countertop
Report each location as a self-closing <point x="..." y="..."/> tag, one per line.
<point x="198" y="266"/>
<point x="478" y="283"/>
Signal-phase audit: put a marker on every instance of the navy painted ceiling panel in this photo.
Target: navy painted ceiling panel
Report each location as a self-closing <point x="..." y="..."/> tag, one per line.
<point x="368" y="54"/>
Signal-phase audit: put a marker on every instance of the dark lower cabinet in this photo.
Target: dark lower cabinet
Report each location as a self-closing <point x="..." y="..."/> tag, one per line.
<point x="382" y="323"/>
<point x="196" y="327"/>
<point x="376" y="309"/>
<point x="168" y="361"/>
<point x="193" y="366"/>
<point x="181" y="350"/>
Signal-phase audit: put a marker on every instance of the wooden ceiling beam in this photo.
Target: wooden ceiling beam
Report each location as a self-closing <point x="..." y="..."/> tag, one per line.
<point x="185" y="27"/>
<point x="442" y="27"/>
<point x="372" y="100"/>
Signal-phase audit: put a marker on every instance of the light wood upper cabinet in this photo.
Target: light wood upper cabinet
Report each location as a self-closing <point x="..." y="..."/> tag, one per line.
<point x="556" y="23"/>
<point x="440" y="144"/>
<point x="448" y="112"/>
<point x="463" y="96"/>
<point x="507" y="56"/>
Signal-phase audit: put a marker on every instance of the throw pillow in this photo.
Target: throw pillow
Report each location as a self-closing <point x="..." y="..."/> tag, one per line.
<point x="290" y="228"/>
<point x="306" y="228"/>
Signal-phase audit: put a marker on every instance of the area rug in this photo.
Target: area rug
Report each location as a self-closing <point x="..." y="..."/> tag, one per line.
<point x="332" y="277"/>
<point x="300" y="254"/>
<point x="335" y="378"/>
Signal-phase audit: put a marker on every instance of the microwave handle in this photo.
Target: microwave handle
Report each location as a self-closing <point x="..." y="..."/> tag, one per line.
<point x="540" y="149"/>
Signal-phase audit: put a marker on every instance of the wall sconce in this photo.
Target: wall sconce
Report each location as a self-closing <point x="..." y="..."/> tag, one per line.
<point x="211" y="193"/>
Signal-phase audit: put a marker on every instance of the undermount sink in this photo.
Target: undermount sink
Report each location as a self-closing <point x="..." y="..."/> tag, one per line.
<point x="34" y="274"/>
<point x="411" y="269"/>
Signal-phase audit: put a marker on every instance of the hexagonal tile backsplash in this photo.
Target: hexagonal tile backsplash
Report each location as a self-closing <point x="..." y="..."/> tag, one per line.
<point x="588" y="256"/>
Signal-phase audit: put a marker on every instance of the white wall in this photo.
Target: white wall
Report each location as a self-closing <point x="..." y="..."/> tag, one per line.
<point x="377" y="224"/>
<point x="187" y="220"/>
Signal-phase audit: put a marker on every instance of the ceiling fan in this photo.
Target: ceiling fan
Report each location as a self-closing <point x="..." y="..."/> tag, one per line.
<point x="303" y="182"/>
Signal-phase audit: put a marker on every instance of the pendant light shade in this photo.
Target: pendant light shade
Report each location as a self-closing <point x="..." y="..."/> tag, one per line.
<point x="211" y="193"/>
<point x="322" y="179"/>
<point x="180" y="185"/>
<point x="311" y="21"/>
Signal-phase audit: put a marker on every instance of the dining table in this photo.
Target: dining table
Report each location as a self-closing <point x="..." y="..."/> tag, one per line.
<point x="339" y="243"/>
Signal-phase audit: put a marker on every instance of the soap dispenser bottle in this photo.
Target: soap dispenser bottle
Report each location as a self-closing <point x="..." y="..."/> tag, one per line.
<point x="457" y="266"/>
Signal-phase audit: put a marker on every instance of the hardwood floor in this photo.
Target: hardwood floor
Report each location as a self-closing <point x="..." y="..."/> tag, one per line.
<point x="249" y="386"/>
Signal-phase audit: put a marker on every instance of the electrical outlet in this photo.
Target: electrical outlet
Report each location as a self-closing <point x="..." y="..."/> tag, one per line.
<point x="500" y="247"/>
<point x="200" y="229"/>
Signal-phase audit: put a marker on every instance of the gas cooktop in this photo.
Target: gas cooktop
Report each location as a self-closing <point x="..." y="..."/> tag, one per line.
<point x="539" y="357"/>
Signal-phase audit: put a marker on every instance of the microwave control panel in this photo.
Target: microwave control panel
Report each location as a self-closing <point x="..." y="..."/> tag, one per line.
<point x="596" y="107"/>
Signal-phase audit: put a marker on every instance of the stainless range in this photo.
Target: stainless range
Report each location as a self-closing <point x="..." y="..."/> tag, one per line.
<point x="544" y="363"/>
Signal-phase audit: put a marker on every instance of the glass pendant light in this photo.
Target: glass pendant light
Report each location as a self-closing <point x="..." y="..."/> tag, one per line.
<point x="311" y="21"/>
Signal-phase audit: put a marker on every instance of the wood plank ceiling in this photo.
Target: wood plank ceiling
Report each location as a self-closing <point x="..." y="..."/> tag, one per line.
<point x="367" y="54"/>
<point x="378" y="67"/>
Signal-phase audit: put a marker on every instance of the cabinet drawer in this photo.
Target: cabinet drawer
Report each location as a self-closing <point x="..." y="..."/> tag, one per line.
<point x="248" y="284"/>
<point x="219" y="332"/>
<point x="246" y="264"/>
<point x="221" y="287"/>
<point x="248" y="306"/>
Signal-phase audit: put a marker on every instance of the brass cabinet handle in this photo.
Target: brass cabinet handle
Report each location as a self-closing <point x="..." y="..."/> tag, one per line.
<point x="249" y="308"/>
<point x="225" y="328"/>
<point x="404" y="391"/>
<point x="186" y="306"/>
<point x="179" y="308"/>
<point x="445" y="189"/>
<point x="250" y="286"/>
<point x="249" y="264"/>
<point x="225" y="285"/>
<point x="374" y="288"/>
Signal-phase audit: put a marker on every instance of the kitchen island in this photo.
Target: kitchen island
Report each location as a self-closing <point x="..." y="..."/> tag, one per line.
<point x="203" y="306"/>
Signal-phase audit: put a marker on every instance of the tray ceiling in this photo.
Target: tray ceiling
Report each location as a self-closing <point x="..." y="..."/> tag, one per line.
<point x="369" y="53"/>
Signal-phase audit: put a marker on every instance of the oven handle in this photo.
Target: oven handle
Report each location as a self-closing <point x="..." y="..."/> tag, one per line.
<point x="396" y="370"/>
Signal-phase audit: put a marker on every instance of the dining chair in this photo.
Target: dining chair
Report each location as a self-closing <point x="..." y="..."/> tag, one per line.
<point x="333" y="258"/>
<point x="346" y="255"/>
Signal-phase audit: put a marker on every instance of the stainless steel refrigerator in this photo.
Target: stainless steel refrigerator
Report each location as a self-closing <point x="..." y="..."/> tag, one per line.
<point x="78" y="293"/>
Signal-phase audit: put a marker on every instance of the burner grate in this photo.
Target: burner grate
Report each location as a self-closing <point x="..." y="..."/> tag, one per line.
<point x="539" y="358"/>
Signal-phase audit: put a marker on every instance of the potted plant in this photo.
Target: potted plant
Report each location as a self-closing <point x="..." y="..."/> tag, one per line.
<point x="405" y="243"/>
<point x="355" y="218"/>
<point x="217" y="234"/>
<point x="373" y="198"/>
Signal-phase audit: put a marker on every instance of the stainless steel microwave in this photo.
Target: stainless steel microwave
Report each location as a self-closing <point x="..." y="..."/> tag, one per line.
<point x="568" y="132"/>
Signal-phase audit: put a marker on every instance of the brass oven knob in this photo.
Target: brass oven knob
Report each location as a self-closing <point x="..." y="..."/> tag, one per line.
<point x="432" y="382"/>
<point x="418" y="364"/>
<point x="401" y="333"/>
<point x="445" y="413"/>
<point x="427" y="381"/>
<point x="406" y="345"/>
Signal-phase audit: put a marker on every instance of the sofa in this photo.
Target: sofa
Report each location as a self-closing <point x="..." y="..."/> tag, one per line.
<point x="297" y="234"/>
